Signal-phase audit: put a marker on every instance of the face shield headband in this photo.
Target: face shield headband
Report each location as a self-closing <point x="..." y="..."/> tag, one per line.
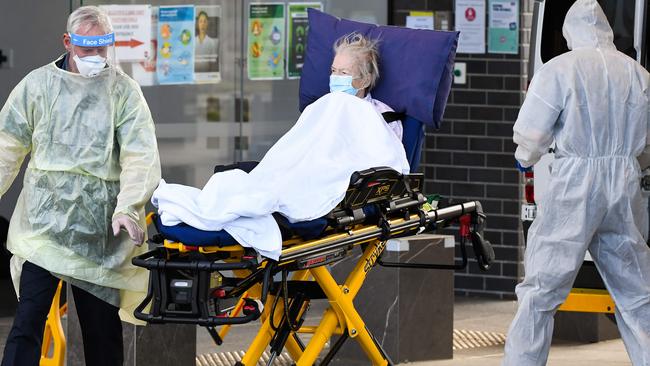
<point x="92" y="41"/>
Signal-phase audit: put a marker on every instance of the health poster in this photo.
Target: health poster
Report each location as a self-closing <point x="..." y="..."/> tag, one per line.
<point x="266" y="41"/>
<point x="206" y="44"/>
<point x="144" y="72"/>
<point x="503" y="26"/>
<point x="298" y="27"/>
<point x="470" y="21"/>
<point x="175" y="63"/>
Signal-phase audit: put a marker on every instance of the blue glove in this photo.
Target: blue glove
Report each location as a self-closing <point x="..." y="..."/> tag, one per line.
<point x="522" y="169"/>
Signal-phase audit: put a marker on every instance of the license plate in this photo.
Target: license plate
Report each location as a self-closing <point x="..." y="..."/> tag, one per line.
<point x="528" y="212"/>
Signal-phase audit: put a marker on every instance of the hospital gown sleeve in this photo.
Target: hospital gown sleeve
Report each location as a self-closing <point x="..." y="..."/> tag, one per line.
<point x="139" y="159"/>
<point x="16" y="126"/>
<point x="533" y="130"/>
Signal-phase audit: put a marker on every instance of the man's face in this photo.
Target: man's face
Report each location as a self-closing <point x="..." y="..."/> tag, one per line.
<point x="83" y="51"/>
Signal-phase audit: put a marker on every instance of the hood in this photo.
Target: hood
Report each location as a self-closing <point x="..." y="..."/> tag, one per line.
<point x="586" y="25"/>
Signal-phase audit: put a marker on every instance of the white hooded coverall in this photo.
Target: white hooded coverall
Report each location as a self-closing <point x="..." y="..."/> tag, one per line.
<point x="593" y="102"/>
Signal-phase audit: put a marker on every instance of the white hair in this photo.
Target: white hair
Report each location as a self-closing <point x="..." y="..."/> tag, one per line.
<point x="365" y="53"/>
<point x="88" y="17"/>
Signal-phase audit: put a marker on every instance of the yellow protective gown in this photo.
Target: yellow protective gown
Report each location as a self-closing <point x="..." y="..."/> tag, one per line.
<point x="93" y="156"/>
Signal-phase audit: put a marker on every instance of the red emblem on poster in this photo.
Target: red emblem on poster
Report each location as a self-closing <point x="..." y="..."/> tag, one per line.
<point x="470" y="14"/>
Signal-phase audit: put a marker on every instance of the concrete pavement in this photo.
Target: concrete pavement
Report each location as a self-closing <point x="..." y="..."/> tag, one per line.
<point x="471" y="314"/>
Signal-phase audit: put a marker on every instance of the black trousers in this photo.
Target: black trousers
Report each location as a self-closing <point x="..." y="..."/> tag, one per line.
<point x="101" y="327"/>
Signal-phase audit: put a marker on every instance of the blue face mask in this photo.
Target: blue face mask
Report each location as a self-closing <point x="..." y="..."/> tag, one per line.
<point x="342" y="83"/>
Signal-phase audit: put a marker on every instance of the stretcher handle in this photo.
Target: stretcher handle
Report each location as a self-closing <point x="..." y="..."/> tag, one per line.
<point x="482" y="248"/>
<point x="252" y="310"/>
<point x="471" y="228"/>
<point x="454" y="211"/>
<point x="148" y="260"/>
<point x="405" y="227"/>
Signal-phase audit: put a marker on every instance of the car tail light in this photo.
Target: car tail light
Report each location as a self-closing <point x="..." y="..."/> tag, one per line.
<point x="529" y="187"/>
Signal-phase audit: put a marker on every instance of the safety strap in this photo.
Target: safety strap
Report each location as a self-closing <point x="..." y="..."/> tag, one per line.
<point x="393" y="116"/>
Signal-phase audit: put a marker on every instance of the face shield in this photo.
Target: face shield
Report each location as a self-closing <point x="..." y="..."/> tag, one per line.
<point x="93" y="55"/>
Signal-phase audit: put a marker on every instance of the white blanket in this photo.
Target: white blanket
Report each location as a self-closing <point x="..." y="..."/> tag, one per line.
<point x="303" y="176"/>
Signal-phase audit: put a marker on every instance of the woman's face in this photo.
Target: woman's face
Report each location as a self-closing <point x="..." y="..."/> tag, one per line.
<point x="203" y="23"/>
<point x="344" y="64"/>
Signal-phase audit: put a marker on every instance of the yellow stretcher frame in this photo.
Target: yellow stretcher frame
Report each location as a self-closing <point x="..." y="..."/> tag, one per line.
<point x="53" y="334"/>
<point x="340" y="317"/>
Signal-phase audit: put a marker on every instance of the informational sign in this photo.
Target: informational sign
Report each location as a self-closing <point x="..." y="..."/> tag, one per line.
<point x="503" y="26"/>
<point x="420" y="20"/>
<point x="175" y="64"/>
<point x="206" y="44"/>
<point x="470" y="22"/>
<point x="297" y="36"/>
<point x="132" y="27"/>
<point x="144" y="72"/>
<point x="442" y="20"/>
<point x="266" y="41"/>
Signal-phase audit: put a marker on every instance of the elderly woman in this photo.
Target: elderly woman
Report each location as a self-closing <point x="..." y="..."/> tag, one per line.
<point x="355" y="71"/>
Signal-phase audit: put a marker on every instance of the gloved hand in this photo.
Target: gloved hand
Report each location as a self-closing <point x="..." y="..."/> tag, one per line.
<point x="522" y="169"/>
<point x="130" y="226"/>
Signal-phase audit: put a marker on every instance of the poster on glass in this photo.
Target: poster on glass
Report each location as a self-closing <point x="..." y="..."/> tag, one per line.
<point x="144" y="72"/>
<point x="132" y="27"/>
<point x="206" y="44"/>
<point x="175" y="56"/>
<point x="266" y="41"/>
<point x="298" y="28"/>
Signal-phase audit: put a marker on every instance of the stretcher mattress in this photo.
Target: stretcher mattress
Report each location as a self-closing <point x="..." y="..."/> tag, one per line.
<point x="191" y="236"/>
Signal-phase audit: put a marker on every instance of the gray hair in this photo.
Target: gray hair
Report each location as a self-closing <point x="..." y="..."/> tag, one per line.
<point x="365" y="54"/>
<point x="89" y="16"/>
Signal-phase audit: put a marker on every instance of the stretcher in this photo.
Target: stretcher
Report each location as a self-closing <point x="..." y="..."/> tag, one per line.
<point x="191" y="280"/>
<point x="209" y="279"/>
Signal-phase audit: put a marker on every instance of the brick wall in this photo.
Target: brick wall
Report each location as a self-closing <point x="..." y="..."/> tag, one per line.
<point x="471" y="156"/>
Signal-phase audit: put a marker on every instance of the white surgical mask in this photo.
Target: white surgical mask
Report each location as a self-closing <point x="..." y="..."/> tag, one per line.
<point x="342" y="83"/>
<point x="90" y="65"/>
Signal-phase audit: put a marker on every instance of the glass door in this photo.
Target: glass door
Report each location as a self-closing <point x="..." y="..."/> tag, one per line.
<point x="196" y="122"/>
